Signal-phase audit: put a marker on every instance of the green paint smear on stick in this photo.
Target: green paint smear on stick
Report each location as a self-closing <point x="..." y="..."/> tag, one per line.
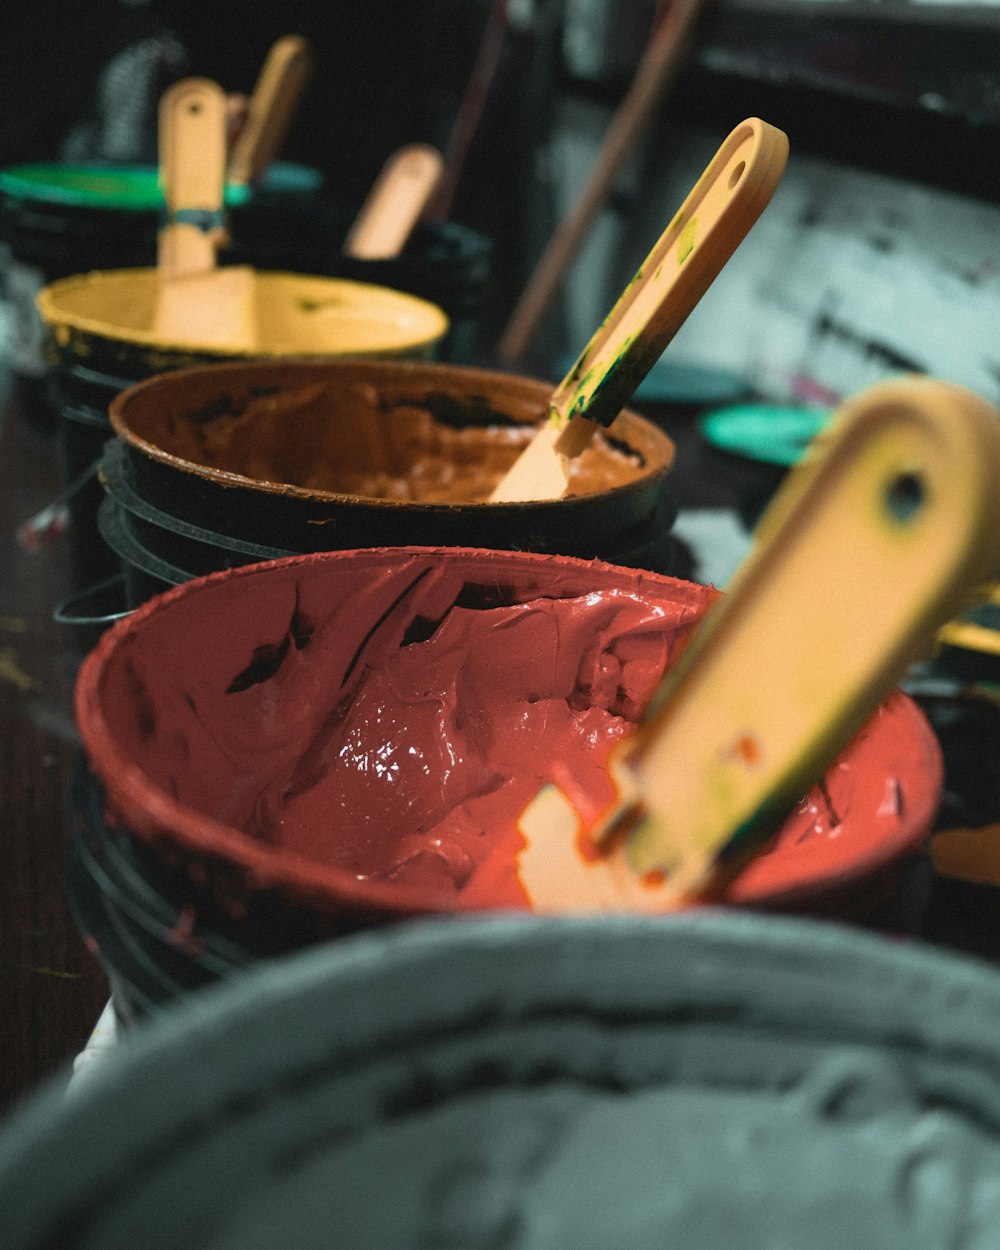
<point x="685" y="244"/>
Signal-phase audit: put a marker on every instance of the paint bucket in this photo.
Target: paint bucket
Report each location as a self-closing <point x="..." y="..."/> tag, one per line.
<point x="102" y="337"/>
<point x="314" y="455"/>
<point x="444" y="262"/>
<point x="58" y="219"/>
<point x="539" y="1083"/>
<point x="210" y="714"/>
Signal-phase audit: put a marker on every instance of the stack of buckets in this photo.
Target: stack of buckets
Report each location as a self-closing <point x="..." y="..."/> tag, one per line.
<point x="57" y="221"/>
<point x="159" y="933"/>
<point x="76" y="239"/>
<point x="158" y="930"/>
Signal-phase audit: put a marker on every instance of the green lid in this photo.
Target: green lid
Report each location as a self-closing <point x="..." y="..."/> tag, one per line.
<point x="771" y="433"/>
<point x="128" y="188"/>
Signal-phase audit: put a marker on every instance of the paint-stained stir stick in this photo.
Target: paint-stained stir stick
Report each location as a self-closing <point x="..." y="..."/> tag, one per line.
<point x="725" y="202"/>
<point x="889" y="526"/>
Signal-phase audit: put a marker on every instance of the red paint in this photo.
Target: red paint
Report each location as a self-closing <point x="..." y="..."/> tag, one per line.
<point x="256" y="717"/>
<point x="747" y="748"/>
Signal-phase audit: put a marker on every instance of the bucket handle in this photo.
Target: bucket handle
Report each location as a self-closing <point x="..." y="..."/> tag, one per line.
<point x="65" y="612"/>
<point x="50" y="522"/>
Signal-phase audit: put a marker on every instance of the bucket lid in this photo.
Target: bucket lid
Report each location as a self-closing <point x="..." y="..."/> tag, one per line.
<point x="293" y="314"/>
<point x="577" y="1082"/>
<point x="129" y="188"/>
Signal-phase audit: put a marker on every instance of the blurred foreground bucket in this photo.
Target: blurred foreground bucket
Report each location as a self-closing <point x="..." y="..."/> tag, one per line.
<point x="540" y="1083"/>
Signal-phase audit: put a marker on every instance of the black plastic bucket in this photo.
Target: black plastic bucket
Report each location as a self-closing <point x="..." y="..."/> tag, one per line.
<point x="144" y="573"/>
<point x="58" y="219"/>
<point x="444" y="262"/>
<point x="126" y="518"/>
<point x="156" y="550"/>
<point x="539" y="1083"/>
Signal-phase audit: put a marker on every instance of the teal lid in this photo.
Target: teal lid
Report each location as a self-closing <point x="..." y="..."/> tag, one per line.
<point x="129" y="188"/>
<point x="771" y="433"/>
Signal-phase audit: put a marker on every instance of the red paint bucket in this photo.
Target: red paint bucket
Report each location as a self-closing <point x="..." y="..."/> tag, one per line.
<point x="265" y="727"/>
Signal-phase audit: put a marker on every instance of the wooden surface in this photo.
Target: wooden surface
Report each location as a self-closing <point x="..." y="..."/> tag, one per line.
<point x="51" y="990"/>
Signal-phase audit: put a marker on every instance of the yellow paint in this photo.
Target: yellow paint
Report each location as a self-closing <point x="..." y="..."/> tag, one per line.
<point x="293" y="314"/>
<point x="13" y="624"/>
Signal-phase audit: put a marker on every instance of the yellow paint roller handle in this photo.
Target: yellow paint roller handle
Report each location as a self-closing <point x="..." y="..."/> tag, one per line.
<point x="886" y="529"/>
<point x="192" y="143"/>
<point x="727" y="199"/>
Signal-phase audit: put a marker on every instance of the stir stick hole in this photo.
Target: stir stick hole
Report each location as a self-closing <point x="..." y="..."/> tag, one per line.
<point x="736" y="174"/>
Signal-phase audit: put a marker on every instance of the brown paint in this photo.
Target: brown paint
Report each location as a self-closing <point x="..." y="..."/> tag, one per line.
<point x="395" y="431"/>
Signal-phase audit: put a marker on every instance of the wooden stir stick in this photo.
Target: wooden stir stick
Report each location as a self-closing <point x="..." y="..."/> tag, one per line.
<point x="196" y="302"/>
<point x="396" y="202"/>
<point x="282" y="79"/>
<point x="725" y="202"/>
<point x="887" y="528"/>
